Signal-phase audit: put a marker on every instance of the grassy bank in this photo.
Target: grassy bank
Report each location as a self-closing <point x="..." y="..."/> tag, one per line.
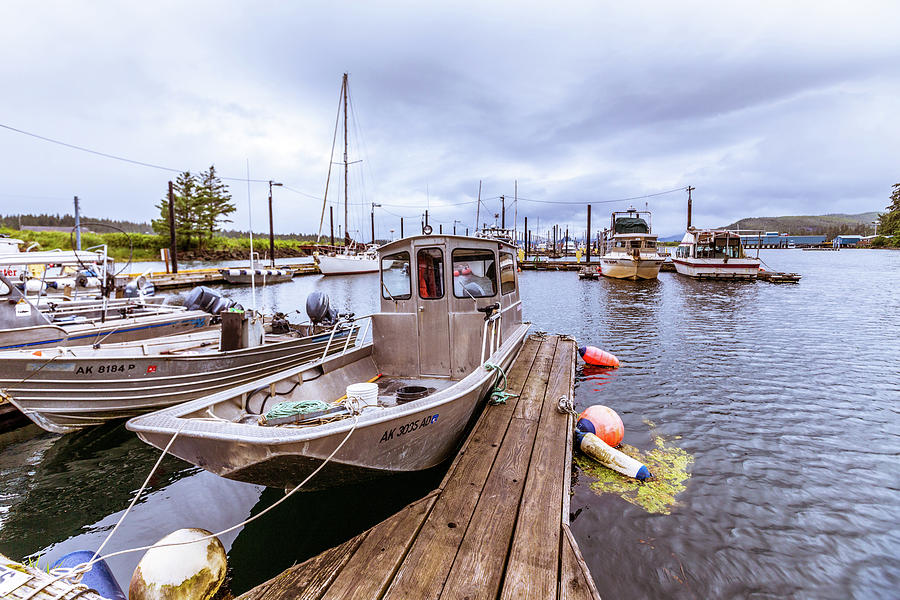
<point x="147" y="247"/>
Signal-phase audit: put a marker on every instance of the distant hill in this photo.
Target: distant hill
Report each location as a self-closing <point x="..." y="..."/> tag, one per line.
<point x="830" y="225"/>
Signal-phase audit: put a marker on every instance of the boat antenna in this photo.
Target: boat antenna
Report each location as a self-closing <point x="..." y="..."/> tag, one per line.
<point x="250" y="223"/>
<point x="478" y="208"/>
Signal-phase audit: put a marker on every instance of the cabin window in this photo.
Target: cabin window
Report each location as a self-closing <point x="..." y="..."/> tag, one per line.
<point x="620" y="244"/>
<point x="395" y="279"/>
<point x="650" y="244"/>
<point x="507" y="273"/>
<point x="474" y="273"/>
<point x="430" y="263"/>
<point x="636" y="244"/>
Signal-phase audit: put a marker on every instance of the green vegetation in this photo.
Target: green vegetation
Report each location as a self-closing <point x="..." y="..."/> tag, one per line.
<point x="889" y="222"/>
<point x="668" y="464"/>
<point x="200" y="203"/>
<point x="147" y="246"/>
<point x="829" y="225"/>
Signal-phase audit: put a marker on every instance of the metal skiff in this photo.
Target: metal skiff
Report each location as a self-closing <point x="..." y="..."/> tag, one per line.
<point x="63" y="389"/>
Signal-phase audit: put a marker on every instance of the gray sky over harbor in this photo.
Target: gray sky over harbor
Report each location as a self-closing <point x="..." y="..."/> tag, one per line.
<point x="767" y="108"/>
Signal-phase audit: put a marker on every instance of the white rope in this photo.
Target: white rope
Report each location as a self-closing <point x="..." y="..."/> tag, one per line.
<point x="78" y="570"/>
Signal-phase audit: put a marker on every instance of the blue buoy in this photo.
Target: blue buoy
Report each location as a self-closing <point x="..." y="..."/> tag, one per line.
<point x="99" y="578"/>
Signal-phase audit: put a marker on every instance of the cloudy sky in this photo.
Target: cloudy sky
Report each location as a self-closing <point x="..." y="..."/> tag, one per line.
<point x="766" y="108"/>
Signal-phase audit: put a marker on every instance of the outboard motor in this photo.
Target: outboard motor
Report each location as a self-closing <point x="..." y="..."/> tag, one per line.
<point x="318" y="308"/>
<point x="207" y="300"/>
<point x="280" y="323"/>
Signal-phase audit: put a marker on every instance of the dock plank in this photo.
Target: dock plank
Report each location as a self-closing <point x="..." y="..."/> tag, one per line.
<point x="531" y="572"/>
<point x="575" y="582"/>
<point x="372" y="566"/>
<point x="423" y="572"/>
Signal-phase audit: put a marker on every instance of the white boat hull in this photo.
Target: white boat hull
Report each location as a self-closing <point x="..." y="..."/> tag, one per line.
<point x="717" y="268"/>
<point x="625" y="267"/>
<point x="347" y="264"/>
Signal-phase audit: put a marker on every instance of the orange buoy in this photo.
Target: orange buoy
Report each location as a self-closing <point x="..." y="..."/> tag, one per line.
<point x="603" y="422"/>
<point x="598" y="357"/>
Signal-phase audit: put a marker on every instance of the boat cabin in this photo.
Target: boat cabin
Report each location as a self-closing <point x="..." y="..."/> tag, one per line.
<point x="444" y="298"/>
<point x="629" y="232"/>
<point x="710" y="243"/>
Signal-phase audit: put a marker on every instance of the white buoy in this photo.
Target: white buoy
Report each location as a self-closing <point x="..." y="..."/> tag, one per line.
<point x="189" y="572"/>
<point x="609" y="457"/>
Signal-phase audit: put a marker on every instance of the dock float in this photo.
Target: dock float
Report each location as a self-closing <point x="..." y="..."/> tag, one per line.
<point x="190" y="277"/>
<point x="498" y="524"/>
<point x="27" y="582"/>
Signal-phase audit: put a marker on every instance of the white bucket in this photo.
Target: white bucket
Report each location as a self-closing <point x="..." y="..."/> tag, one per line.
<point x="366" y="392"/>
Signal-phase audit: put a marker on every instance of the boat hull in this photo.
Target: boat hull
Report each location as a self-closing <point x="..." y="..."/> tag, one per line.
<point x="260" y="277"/>
<point x="411" y="437"/>
<point x="346" y="265"/>
<point x="625" y="267"/>
<point x="64" y="392"/>
<point x="714" y="268"/>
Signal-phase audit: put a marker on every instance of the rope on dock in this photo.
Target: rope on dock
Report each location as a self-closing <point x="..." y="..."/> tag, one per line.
<point x="499" y="395"/>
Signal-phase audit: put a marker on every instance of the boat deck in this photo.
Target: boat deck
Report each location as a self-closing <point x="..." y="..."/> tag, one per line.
<point x="498" y="524"/>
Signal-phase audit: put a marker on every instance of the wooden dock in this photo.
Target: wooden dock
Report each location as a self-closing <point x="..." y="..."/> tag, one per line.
<point x="191" y="277"/>
<point x="498" y="524"/>
<point x="573" y="265"/>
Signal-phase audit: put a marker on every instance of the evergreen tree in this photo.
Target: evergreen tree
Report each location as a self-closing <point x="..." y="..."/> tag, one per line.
<point x="213" y="203"/>
<point x="186" y="221"/>
<point x="889" y="222"/>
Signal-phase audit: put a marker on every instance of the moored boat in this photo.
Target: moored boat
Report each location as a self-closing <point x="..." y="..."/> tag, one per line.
<point x="450" y="319"/>
<point x="714" y="254"/>
<point x="63" y="389"/>
<point x="256" y="275"/>
<point x="628" y="247"/>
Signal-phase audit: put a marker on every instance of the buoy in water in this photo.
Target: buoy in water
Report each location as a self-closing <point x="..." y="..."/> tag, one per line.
<point x="595" y="356"/>
<point x="192" y="570"/>
<point x="609" y="457"/>
<point x="603" y="422"/>
<point x="99" y="578"/>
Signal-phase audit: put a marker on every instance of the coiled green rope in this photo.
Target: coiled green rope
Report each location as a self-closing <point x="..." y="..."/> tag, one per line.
<point x="499" y="395"/>
<point x="290" y="409"/>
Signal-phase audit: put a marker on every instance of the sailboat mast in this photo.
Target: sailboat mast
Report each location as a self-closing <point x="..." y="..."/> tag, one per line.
<point x="346" y="172"/>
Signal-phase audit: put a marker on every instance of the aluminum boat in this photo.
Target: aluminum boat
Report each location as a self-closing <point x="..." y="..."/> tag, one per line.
<point x="450" y="319"/>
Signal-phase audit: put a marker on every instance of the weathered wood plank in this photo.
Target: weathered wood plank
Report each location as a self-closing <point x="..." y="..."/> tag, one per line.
<point x="478" y="569"/>
<point x="310" y="579"/>
<point x="425" y="568"/>
<point x="534" y="386"/>
<point x="518" y="374"/>
<point x="575" y="581"/>
<point x="531" y="571"/>
<point x="369" y="571"/>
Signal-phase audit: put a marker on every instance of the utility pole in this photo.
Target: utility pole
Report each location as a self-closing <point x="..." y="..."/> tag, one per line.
<point x="331" y="221"/>
<point x="587" y="242"/>
<point x="173" y="248"/>
<point x="503" y="212"/>
<point x="271" y="230"/>
<point x="401" y="228"/>
<point x="525" y="238"/>
<point x="374" y="206"/>
<point x="689" y="190"/>
<point x="77" y="225"/>
<point x="441" y="228"/>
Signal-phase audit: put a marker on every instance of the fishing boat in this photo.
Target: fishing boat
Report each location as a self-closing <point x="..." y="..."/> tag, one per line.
<point x="24" y="324"/>
<point x="63" y="389"/>
<point x="450" y="322"/>
<point x="628" y="248"/>
<point x="352" y="258"/>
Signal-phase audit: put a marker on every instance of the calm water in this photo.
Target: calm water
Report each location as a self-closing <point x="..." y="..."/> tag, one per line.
<point x="786" y="396"/>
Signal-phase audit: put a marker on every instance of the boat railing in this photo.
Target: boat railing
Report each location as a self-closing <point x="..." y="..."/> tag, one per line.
<point x="350" y="324"/>
<point x="493" y="322"/>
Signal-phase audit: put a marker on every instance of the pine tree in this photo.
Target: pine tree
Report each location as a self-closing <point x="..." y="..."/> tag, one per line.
<point x="213" y="203"/>
<point x="889" y="222"/>
<point x="186" y="222"/>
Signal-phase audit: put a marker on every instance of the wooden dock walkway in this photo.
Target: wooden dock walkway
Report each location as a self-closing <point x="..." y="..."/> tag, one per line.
<point x="572" y="265"/>
<point x="498" y="524"/>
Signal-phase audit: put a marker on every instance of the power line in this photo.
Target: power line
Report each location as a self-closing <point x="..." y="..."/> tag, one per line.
<point x="114" y="157"/>
<point x="602" y="201"/>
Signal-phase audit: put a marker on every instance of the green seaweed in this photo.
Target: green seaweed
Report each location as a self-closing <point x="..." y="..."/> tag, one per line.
<point x="668" y="464"/>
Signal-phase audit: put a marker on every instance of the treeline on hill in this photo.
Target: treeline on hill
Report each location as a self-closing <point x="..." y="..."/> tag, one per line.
<point x="828" y="225"/>
<point x="44" y="220"/>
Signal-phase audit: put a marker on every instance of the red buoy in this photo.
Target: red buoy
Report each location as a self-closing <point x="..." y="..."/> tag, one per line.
<point x="603" y="422"/>
<point x="598" y="357"/>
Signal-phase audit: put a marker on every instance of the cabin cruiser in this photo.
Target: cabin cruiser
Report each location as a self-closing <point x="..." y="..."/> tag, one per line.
<point x="628" y="248"/>
<point x="714" y="254"/>
<point x="450" y="320"/>
<point x="63" y="389"/>
<point x="348" y="263"/>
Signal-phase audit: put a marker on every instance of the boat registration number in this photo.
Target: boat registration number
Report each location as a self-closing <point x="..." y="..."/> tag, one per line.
<point x="389" y="434"/>
<point x="101" y="369"/>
